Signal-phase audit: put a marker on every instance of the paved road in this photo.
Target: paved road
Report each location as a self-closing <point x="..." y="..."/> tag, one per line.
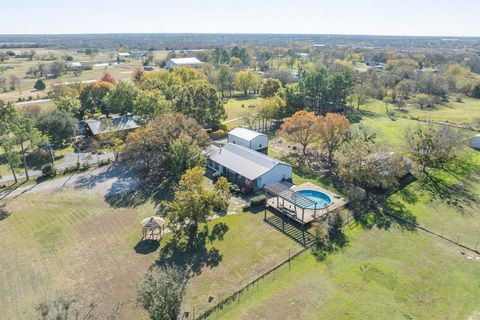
<point x="111" y="179"/>
<point x="69" y="160"/>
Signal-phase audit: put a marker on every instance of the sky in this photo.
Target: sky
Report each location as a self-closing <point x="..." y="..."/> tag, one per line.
<point x="372" y="17"/>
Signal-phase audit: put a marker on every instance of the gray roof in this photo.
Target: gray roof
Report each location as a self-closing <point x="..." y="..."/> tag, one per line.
<point x="246" y="162"/>
<point x="98" y="126"/>
<point x="245" y="134"/>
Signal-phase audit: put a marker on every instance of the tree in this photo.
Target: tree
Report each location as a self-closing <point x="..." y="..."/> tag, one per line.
<point x="58" y="125"/>
<point x="121" y="98"/>
<point x="149" y="104"/>
<point x="301" y="128"/>
<point x="433" y="146"/>
<point x="225" y="79"/>
<point x="75" y="308"/>
<point x="39" y="85"/>
<point x="332" y="131"/>
<point x="199" y="100"/>
<point x="423" y="100"/>
<point x="270" y="88"/>
<point x="92" y="98"/>
<point x="404" y="88"/>
<point x="137" y="75"/>
<point x="28" y="137"/>
<point x="149" y="147"/>
<point x="244" y="81"/>
<point x="68" y="104"/>
<point x="107" y="77"/>
<point x="194" y="202"/>
<point x="161" y="293"/>
<point x="8" y="144"/>
<point x="184" y="154"/>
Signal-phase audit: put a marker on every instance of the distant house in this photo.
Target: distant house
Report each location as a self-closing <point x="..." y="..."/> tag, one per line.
<point x="303" y="54"/>
<point x="138" y="54"/>
<point x="95" y="127"/>
<point x="183" y="62"/>
<point x="121" y="56"/>
<point x="247" y="167"/>
<point x="148" y="68"/>
<point x="248" y="138"/>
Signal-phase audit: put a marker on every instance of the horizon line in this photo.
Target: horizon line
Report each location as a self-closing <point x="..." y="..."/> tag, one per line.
<point x="241" y="33"/>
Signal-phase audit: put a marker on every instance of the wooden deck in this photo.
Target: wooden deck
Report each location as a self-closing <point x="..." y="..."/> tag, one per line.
<point x="303" y="215"/>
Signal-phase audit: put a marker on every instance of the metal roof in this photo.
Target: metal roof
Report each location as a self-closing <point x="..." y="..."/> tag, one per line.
<point x="185" y="61"/>
<point x="244" y="161"/>
<point x="107" y="125"/>
<point x="246" y="134"/>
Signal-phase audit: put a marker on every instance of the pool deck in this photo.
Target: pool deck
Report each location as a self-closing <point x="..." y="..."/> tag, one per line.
<point x="307" y="215"/>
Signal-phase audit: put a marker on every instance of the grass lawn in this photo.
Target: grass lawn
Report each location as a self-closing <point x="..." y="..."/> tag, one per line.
<point x="466" y="112"/>
<point x="234" y="109"/>
<point x="73" y="242"/>
<point x="382" y="274"/>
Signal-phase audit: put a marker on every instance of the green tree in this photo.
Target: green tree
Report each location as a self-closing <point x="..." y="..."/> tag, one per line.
<point x="121" y="99"/>
<point x="199" y="100"/>
<point x="68" y="104"/>
<point x="149" y="104"/>
<point x="433" y="146"/>
<point x="270" y="88"/>
<point x="59" y="126"/>
<point x="184" y="154"/>
<point x="28" y="137"/>
<point x="244" y="81"/>
<point x="193" y="201"/>
<point x="39" y="85"/>
<point x="93" y="98"/>
<point x="225" y="79"/>
<point x="147" y="148"/>
<point x="161" y="293"/>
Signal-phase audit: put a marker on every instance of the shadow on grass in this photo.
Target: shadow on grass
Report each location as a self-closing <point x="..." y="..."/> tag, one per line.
<point x="147" y="246"/>
<point x="4" y="213"/>
<point x="356" y="116"/>
<point x="190" y="250"/>
<point x="385" y="214"/>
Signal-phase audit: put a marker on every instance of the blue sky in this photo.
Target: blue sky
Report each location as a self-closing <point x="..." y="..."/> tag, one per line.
<point x="407" y="17"/>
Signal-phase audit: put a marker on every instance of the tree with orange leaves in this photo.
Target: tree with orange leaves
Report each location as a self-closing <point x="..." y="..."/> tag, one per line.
<point x="333" y="129"/>
<point x="107" y="77"/>
<point x="302" y="128"/>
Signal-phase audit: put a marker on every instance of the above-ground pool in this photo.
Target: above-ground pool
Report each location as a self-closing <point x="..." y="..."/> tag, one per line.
<point x="321" y="199"/>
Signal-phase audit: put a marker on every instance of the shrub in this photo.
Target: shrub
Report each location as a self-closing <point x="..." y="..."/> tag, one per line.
<point x="219" y="134"/>
<point x="39" y="85"/>
<point x="459" y="98"/>
<point x="216" y="175"/>
<point x="49" y="170"/>
<point x="257" y="201"/>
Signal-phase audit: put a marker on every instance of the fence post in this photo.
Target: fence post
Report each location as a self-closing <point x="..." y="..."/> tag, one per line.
<point x="273" y="269"/>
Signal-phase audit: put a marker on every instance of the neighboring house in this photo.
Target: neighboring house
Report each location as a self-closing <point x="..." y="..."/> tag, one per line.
<point x="248" y="138"/>
<point x="95" y="127"/>
<point x="183" y="62"/>
<point x="247" y="167"/>
<point x="138" y="54"/>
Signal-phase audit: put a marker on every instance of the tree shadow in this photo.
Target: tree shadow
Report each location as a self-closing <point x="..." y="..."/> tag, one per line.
<point x="459" y="195"/>
<point x="386" y="214"/>
<point x="4" y="213"/>
<point x="188" y="250"/>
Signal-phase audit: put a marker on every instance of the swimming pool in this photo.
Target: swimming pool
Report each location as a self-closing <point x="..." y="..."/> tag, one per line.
<point x="321" y="199"/>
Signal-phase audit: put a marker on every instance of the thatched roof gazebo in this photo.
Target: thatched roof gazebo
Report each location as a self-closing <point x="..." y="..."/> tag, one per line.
<point x="153" y="228"/>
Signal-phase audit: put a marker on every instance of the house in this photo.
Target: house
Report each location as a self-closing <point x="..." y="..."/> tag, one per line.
<point x="138" y="54"/>
<point x="95" y="127"/>
<point x="183" y="62"/>
<point x="247" y="167"/>
<point x="248" y="138"/>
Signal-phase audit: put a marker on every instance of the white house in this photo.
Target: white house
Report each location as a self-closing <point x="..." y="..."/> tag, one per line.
<point x="247" y="167"/>
<point x="248" y="138"/>
<point x="183" y="62"/>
